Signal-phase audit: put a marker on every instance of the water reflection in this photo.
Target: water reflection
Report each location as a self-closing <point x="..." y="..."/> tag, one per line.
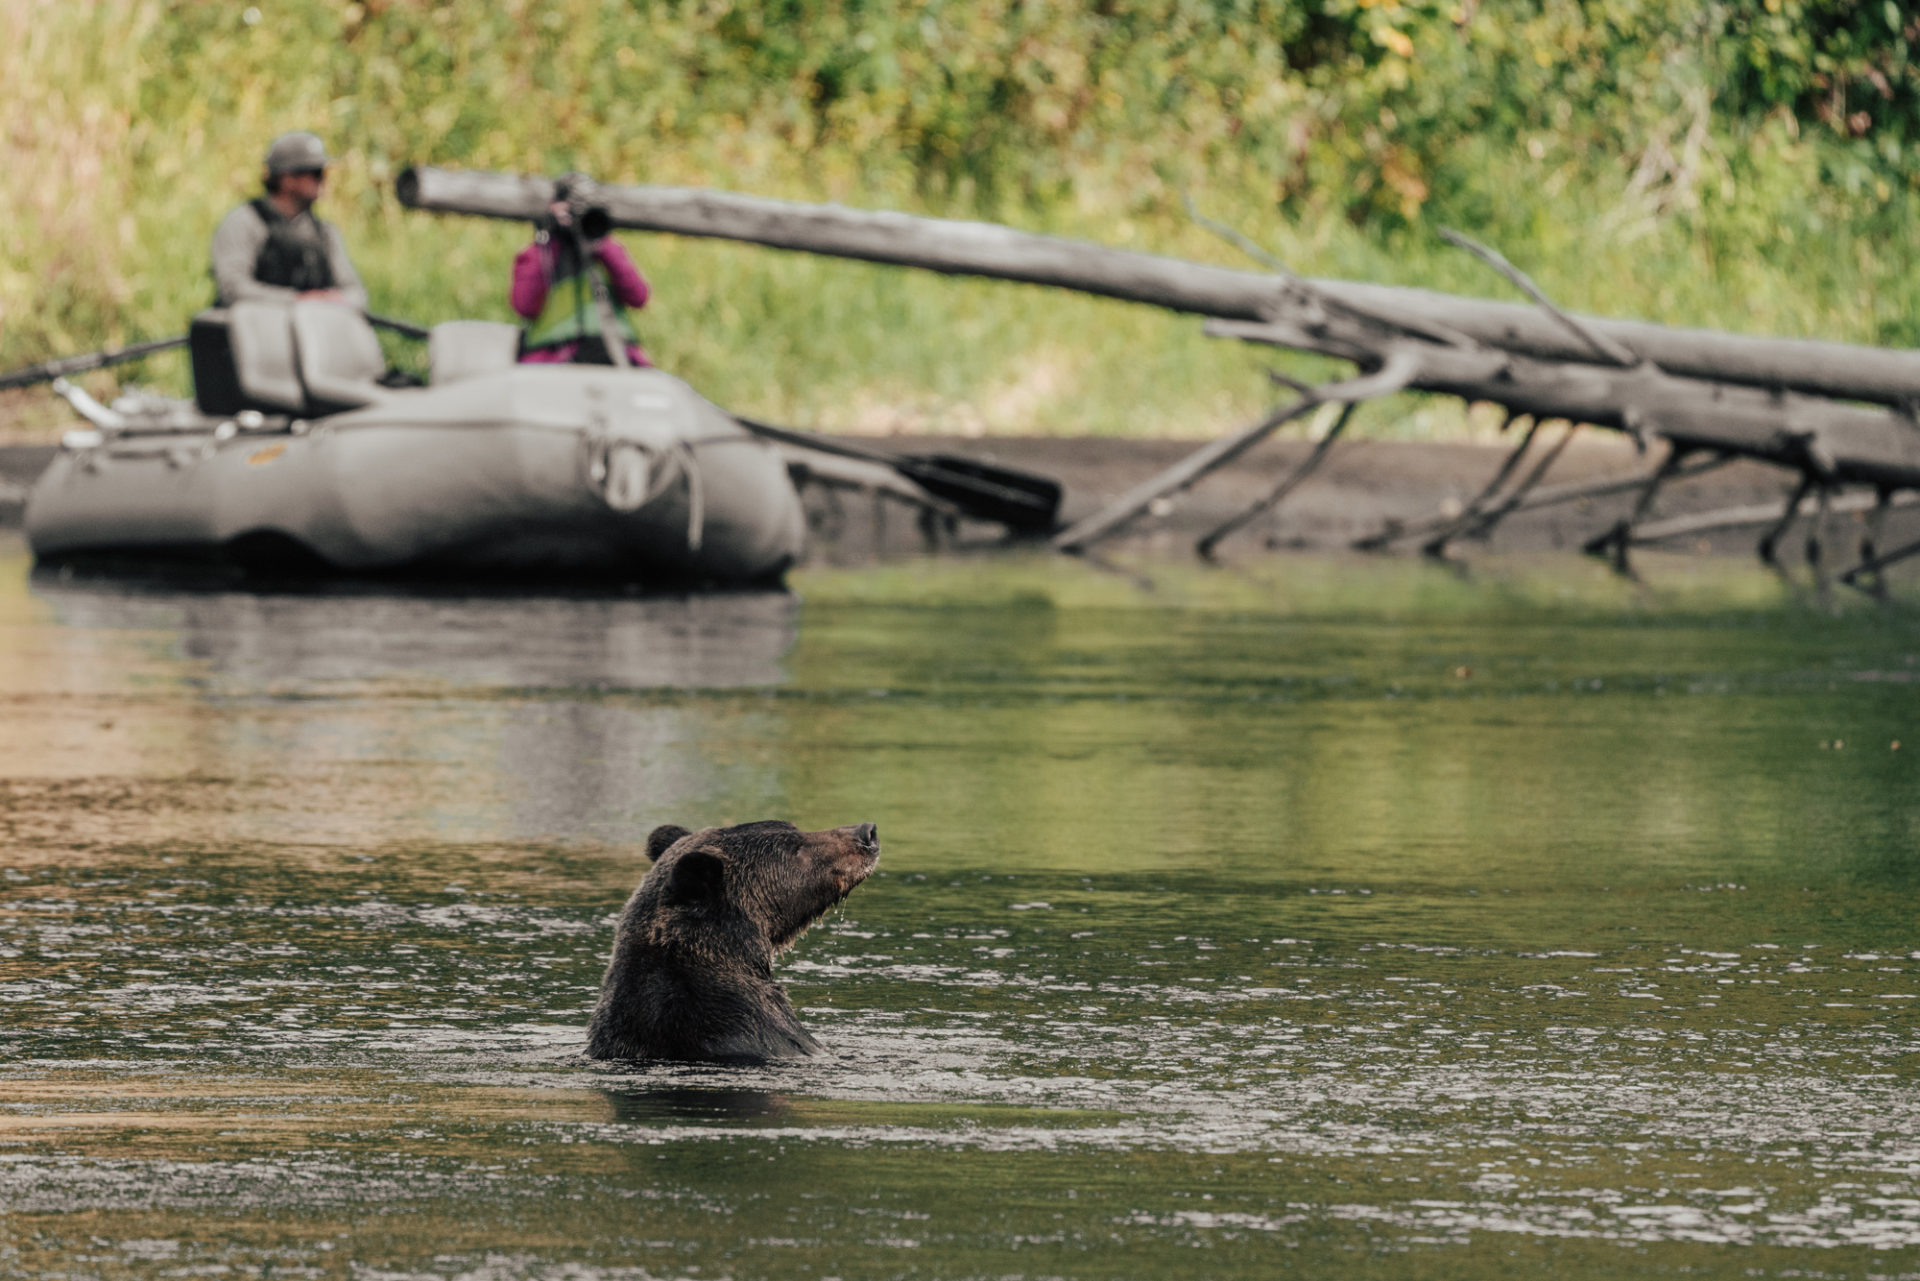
<point x="364" y="717"/>
<point x="310" y="642"/>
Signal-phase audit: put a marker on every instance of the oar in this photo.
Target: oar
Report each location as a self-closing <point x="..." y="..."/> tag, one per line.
<point x="1022" y="501"/>
<point x="405" y="328"/>
<point x="48" y="370"/>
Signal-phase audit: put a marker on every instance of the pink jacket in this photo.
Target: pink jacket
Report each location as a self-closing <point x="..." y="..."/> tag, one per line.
<point x="533" y="274"/>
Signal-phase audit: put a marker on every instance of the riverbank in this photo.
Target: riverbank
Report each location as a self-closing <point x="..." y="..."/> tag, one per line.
<point x="1364" y="486"/>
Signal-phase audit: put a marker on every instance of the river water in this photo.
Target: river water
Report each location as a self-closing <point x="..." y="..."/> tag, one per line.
<point x="1342" y="917"/>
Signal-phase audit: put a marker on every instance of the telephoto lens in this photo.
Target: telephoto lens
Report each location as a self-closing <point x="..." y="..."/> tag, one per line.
<point x="593" y="220"/>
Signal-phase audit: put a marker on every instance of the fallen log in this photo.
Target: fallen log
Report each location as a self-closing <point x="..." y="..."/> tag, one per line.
<point x="1838" y="370"/>
<point x="1545" y="496"/>
<point x="1829" y="441"/>
<point x="1756" y="515"/>
<point x="1843" y="443"/>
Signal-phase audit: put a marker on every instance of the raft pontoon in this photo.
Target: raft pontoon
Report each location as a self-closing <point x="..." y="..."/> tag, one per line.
<point x="294" y="455"/>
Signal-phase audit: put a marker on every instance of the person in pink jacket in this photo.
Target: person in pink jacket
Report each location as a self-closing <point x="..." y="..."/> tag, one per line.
<point x="556" y="297"/>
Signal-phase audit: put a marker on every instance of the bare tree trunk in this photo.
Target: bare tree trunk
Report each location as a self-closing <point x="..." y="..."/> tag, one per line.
<point x="984" y="249"/>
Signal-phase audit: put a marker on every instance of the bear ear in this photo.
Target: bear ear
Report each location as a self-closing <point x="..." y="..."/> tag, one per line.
<point x="662" y="839"/>
<point x="697" y="876"/>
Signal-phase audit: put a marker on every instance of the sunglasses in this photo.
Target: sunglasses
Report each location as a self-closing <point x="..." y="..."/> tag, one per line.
<point x="319" y="174"/>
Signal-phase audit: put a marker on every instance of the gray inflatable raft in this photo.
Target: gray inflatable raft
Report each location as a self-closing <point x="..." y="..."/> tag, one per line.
<point x="494" y="468"/>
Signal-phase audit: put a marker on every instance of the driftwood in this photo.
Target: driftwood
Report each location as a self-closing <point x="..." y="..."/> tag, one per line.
<point x="1116" y="515"/>
<point x="1390" y="378"/>
<point x="1003" y="253"/>
<point x="1755" y="515"/>
<point x="1281" y="488"/>
<point x="1842" y="442"/>
<point x="1492" y="513"/>
<point x="1834" y="443"/>
<point x="1829" y="443"/>
<point x="1546" y="496"/>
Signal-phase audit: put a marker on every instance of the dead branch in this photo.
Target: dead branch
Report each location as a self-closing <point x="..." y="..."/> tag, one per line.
<point x="1116" y="515"/>
<point x="1549" y="496"/>
<point x="1483" y="526"/>
<point x="1607" y="349"/>
<point x="1843" y="443"/>
<point x="1286" y="485"/>
<point x="1450" y="525"/>
<point x="1400" y="365"/>
<point x="1755" y="515"/>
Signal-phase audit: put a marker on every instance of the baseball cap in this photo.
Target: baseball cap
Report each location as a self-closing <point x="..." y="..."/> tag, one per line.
<point x="296" y="151"/>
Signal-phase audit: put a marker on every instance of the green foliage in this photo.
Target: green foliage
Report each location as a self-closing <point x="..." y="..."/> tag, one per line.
<point x="1744" y="165"/>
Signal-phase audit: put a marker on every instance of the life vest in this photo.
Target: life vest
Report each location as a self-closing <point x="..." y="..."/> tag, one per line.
<point x="569" y="314"/>
<point x="295" y="254"/>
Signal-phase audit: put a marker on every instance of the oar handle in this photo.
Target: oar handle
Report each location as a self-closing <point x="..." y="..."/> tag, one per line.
<point x="964" y="488"/>
<point x="405" y="328"/>
<point x="48" y="370"/>
<point x="810" y="440"/>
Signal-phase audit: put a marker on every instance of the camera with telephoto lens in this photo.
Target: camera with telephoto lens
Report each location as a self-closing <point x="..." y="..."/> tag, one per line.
<point x="590" y="219"/>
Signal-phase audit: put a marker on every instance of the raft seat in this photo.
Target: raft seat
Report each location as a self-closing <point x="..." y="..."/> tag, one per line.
<point x="340" y="357"/>
<point x="462" y="349"/>
<point x="216" y="383"/>
<point x="263" y="357"/>
<point x="311" y="358"/>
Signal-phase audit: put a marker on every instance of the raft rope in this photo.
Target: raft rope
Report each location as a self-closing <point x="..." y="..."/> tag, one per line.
<point x="696" y="495"/>
<point x="628" y="474"/>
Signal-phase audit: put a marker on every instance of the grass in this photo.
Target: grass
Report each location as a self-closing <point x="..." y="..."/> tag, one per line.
<point x="129" y="127"/>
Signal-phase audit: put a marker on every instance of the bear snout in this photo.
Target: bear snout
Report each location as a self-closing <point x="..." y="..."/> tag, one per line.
<point x="854" y="853"/>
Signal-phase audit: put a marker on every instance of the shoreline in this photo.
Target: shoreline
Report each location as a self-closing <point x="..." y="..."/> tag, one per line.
<point x="1363" y="485"/>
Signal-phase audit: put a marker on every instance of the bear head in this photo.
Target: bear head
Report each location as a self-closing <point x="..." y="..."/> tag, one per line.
<point x="770" y="876"/>
<point x="691" y="976"/>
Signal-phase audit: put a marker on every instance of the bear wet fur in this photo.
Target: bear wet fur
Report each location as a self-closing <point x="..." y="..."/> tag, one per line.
<point x="691" y="977"/>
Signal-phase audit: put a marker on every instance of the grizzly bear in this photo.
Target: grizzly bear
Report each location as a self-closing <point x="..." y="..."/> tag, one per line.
<point x="692" y="971"/>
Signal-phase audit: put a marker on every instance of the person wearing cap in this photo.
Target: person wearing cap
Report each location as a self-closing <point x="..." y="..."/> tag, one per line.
<point x="272" y="249"/>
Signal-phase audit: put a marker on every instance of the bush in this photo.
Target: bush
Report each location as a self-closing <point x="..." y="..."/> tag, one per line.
<point x="1735" y="165"/>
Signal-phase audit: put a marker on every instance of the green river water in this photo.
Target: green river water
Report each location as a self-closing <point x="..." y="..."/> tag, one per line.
<point x="1338" y="918"/>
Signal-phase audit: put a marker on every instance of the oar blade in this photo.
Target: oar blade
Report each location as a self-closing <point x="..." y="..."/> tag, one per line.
<point x="1022" y="501"/>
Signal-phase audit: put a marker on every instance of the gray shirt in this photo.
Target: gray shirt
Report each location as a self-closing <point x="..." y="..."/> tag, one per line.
<point x="237" y="242"/>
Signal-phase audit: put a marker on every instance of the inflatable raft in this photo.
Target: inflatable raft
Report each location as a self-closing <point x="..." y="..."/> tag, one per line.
<point x="294" y="457"/>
